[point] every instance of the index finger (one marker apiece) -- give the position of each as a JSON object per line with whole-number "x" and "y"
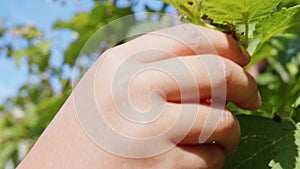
{"x": 184, "y": 40}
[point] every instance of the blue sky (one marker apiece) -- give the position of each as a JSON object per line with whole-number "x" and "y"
{"x": 42, "y": 13}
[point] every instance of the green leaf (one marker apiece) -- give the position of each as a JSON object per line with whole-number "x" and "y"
{"x": 86, "y": 24}
{"x": 282, "y": 46}
{"x": 265, "y": 51}
{"x": 43, "y": 113}
{"x": 239, "y": 11}
{"x": 18, "y": 55}
{"x": 77, "y": 22}
{"x": 191, "y": 9}
{"x": 38, "y": 54}
{"x": 243, "y": 12}
{"x": 263, "y": 141}
{"x": 266, "y": 78}
{"x": 288, "y": 3}
{"x": 285, "y": 20}
{"x": 297, "y": 137}
{"x": 6, "y": 150}
{"x": 275, "y": 165}
{"x": 296, "y": 103}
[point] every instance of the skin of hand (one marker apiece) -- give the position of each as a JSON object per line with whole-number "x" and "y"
{"x": 65, "y": 144}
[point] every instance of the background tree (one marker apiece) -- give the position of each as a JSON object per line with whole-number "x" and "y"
{"x": 25, "y": 116}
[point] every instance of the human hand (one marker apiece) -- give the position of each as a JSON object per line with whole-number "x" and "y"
{"x": 151, "y": 91}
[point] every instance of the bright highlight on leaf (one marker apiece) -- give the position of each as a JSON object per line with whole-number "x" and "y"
{"x": 297, "y": 102}
{"x": 240, "y": 11}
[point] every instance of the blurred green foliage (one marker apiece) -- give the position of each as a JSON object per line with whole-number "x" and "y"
{"x": 24, "y": 117}
{"x": 86, "y": 24}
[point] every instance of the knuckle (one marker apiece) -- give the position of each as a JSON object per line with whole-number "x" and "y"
{"x": 228, "y": 73}
{"x": 139, "y": 82}
{"x": 228, "y": 123}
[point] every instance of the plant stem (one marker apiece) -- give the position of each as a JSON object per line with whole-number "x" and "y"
{"x": 246, "y": 33}
{"x": 245, "y": 17}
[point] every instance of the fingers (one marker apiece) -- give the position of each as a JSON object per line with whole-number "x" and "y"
{"x": 206, "y": 156}
{"x": 185, "y": 124}
{"x": 153, "y": 89}
{"x": 196, "y": 78}
{"x": 212, "y": 124}
{"x": 242, "y": 88}
{"x": 184, "y": 40}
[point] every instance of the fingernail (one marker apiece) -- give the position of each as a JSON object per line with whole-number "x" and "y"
{"x": 245, "y": 52}
{"x": 258, "y": 103}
